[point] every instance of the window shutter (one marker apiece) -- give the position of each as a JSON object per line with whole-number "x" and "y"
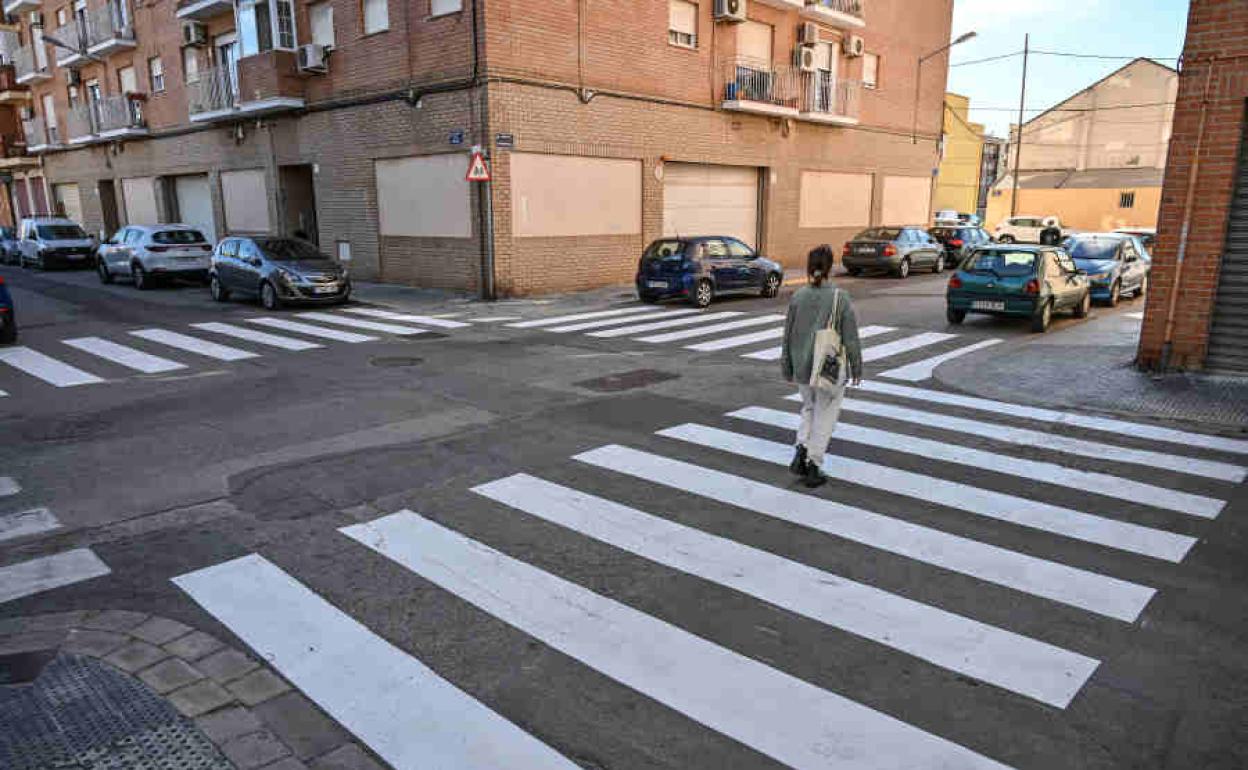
{"x": 682, "y": 17}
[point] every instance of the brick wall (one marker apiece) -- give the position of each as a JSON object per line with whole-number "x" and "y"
{"x": 1215, "y": 58}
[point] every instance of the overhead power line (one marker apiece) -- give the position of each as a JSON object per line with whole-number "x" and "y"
{"x": 1075, "y": 109}
{"x": 1104, "y": 56}
{"x": 985, "y": 61}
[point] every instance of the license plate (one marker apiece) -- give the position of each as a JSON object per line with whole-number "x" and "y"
{"x": 865, "y": 250}
{"x": 75, "y": 256}
{"x": 324, "y": 289}
{"x": 656, "y": 284}
{"x": 987, "y": 304}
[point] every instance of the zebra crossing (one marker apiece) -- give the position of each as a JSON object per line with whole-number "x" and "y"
{"x": 1127, "y": 515}
{"x": 156, "y": 351}
{"x": 742, "y": 333}
{"x": 45, "y": 573}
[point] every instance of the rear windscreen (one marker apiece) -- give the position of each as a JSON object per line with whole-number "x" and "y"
{"x": 177, "y": 237}
{"x": 1003, "y": 262}
{"x": 662, "y": 249}
{"x": 879, "y": 234}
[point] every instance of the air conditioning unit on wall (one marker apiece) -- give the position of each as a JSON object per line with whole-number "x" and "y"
{"x": 313, "y": 58}
{"x": 855, "y": 46}
{"x": 730, "y": 10}
{"x": 808, "y": 33}
{"x": 804, "y": 58}
{"x": 194, "y": 33}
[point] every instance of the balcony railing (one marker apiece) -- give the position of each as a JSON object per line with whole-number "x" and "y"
{"x": 72, "y": 34}
{"x": 14, "y": 7}
{"x": 754, "y": 86}
{"x": 847, "y": 14}
{"x": 112, "y": 117}
{"x": 82, "y": 123}
{"x": 39, "y": 137}
{"x": 214, "y": 95}
{"x": 28, "y": 68}
{"x": 109, "y": 29}
{"x": 826, "y": 99}
{"x": 11, "y": 92}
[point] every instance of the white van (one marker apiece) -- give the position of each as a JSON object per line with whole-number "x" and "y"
{"x": 45, "y": 242}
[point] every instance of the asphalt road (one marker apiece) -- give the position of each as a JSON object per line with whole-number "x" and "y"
{"x": 972, "y": 588}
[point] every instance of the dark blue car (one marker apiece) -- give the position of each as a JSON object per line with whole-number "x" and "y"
{"x": 1113, "y": 263}
{"x": 700, "y": 269}
{"x": 8, "y": 321}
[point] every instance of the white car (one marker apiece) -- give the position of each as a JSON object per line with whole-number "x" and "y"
{"x": 148, "y": 253}
{"x": 1026, "y": 229}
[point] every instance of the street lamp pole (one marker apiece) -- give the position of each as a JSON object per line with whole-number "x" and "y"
{"x": 918, "y": 79}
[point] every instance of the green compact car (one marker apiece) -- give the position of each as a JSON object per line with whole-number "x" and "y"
{"x": 1018, "y": 281}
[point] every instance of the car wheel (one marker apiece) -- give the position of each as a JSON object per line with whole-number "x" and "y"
{"x": 939, "y": 265}
{"x": 955, "y": 316}
{"x": 703, "y": 293}
{"x": 772, "y": 286}
{"x": 1005, "y": 239}
{"x": 101, "y": 268}
{"x": 1143, "y": 289}
{"x": 142, "y": 281}
{"x": 219, "y": 293}
{"x": 1040, "y": 321}
{"x": 1084, "y": 306}
{"x": 268, "y": 297}
{"x": 903, "y": 269}
{"x": 9, "y": 333}
{"x": 1115, "y": 294}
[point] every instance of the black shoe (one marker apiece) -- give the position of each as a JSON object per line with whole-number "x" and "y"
{"x": 814, "y": 476}
{"x": 798, "y": 466}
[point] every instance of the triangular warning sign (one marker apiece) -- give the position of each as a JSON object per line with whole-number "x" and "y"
{"x": 477, "y": 170}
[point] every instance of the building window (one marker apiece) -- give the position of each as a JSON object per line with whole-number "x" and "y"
{"x": 285, "y": 24}
{"x": 376, "y": 16}
{"x": 1126, "y": 200}
{"x": 190, "y": 64}
{"x": 127, "y": 81}
{"x": 255, "y": 27}
{"x": 871, "y": 70}
{"x": 682, "y": 24}
{"x": 62, "y": 16}
{"x": 443, "y": 7}
{"x": 321, "y": 18}
{"x": 156, "y": 69}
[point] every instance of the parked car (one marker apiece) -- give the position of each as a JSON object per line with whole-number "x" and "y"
{"x": 1113, "y": 263}
{"x": 702, "y": 268}
{"x": 278, "y": 270}
{"x": 959, "y": 240}
{"x": 46, "y": 242}
{"x": 148, "y": 253}
{"x": 8, "y": 317}
{"x": 1017, "y": 281}
{"x": 950, "y": 217}
{"x": 895, "y": 250}
{"x": 10, "y": 254}
{"x": 1026, "y": 229}
{"x": 1147, "y": 235}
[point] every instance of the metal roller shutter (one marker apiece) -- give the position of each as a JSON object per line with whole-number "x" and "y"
{"x": 1228, "y": 336}
{"x": 195, "y": 203}
{"x": 703, "y": 199}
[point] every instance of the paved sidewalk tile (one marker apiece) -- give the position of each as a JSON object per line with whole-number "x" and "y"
{"x": 227, "y": 724}
{"x": 350, "y": 757}
{"x": 50, "y": 622}
{"x": 257, "y": 687}
{"x": 97, "y": 644}
{"x": 226, "y": 665}
{"x": 200, "y": 698}
{"x": 114, "y": 620}
{"x": 159, "y": 630}
{"x": 254, "y": 750}
{"x": 193, "y": 646}
{"x": 169, "y": 675}
{"x": 289, "y": 763}
{"x": 301, "y": 725}
{"x": 136, "y": 656}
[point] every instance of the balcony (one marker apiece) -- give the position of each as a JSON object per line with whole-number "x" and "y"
{"x": 11, "y": 93}
{"x": 72, "y": 34}
{"x": 761, "y": 88}
{"x": 783, "y": 5}
{"x": 21, "y": 6}
{"x": 263, "y": 84}
{"x": 28, "y": 68}
{"x": 110, "y": 118}
{"x": 203, "y": 9}
{"x": 214, "y": 96}
{"x": 13, "y": 153}
{"x": 40, "y": 138}
{"x": 828, "y": 100}
{"x": 109, "y": 29}
{"x": 845, "y": 14}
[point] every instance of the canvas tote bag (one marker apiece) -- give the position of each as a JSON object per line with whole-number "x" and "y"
{"x": 827, "y": 370}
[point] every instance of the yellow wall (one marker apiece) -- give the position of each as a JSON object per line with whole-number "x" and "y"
{"x": 957, "y": 186}
{"x": 1082, "y": 209}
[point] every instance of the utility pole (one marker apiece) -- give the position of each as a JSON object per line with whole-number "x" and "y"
{"x": 1018, "y": 142}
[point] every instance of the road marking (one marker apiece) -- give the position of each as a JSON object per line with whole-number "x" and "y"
{"x": 1011, "y": 661}
{"x": 372, "y": 326}
{"x": 1042, "y": 440}
{"x": 47, "y": 572}
{"x": 126, "y": 356}
{"x": 46, "y": 368}
{"x": 1025, "y": 512}
{"x": 390, "y": 315}
{"x": 586, "y": 325}
{"x": 495, "y": 319}
{"x": 1109, "y": 425}
{"x": 1137, "y": 316}
{"x": 554, "y": 320}
{"x": 703, "y": 317}
{"x": 9, "y": 486}
{"x": 702, "y": 331}
{"x": 1068, "y": 585}
{"x": 903, "y": 345}
{"x": 411, "y": 717}
{"x": 251, "y": 335}
{"x": 773, "y": 354}
{"x": 33, "y": 522}
{"x": 310, "y": 330}
{"x": 781, "y": 716}
{"x": 194, "y": 345}
{"x": 723, "y": 343}
{"x": 1051, "y": 473}
{"x": 922, "y": 370}
{"x": 3, "y": 394}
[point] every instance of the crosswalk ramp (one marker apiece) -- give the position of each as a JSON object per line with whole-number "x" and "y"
{"x": 1122, "y": 519}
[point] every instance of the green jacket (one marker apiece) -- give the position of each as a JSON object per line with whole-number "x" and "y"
{"x": 809, "y": 311}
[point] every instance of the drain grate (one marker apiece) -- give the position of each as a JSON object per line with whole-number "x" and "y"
{"x": 81, "y": 714}
{"x": 637, "y": 378}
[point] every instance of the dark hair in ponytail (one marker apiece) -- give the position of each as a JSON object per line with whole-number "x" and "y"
{"x": 819, "y": 264}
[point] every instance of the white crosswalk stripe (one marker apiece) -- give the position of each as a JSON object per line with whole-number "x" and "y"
{"x": 1008, "y": 660}
{"x": 560, "y": 319}
{"x": 922, "y": 370}
{"x": 356, "y": 323}
{"x": 740, "y": 340}
{"x": 703, "y": 331}
{"x": 310, "y": 330}
{"x": 194, "y": 345}
{"x": 390, "y": 315}
{"x": 25, "y": 523}
{"x": 628, "y": 331}
{"x": 903, "y": 345}
{"x": 46, "y": 368}
{"x": 45, "y": 573}
{"x": 601, "y": 324}
{"x": 772, "y": 712}
{"x": 773, "y": 354}
{"x": 125, "y": 356}
{"x": 251, "y": 335}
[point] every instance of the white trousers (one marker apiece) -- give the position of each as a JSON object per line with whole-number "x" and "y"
{"x": 821, "y": 408}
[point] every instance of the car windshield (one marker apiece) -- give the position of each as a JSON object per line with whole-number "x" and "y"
{"x": 288, "y": 249}
{"x": 665, "y": 249}
{"x": 1003, "y": 262}
{"x": 178, "y": 237}
{"x": 60, "y": 233}
{"x": 944, "y": 233}
{"x": 1093, "y": 248}
{"x": 879, "y": 234}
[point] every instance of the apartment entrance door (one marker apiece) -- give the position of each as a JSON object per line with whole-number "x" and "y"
{"x": 108, "y": 205}
{"x": 299, "y": 201}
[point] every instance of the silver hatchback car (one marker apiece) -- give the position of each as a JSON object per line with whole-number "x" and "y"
{"x": 148, "y": 253}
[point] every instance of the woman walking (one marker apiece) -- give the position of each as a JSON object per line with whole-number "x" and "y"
{"x": 820, "y": 316}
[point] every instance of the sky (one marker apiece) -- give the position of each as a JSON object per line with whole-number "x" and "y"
{"x": 1128, "y": 28}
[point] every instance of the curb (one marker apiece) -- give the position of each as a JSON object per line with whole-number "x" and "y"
{"x": 249, "y": 713}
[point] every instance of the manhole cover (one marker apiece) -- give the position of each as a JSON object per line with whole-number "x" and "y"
{"x": 395, "y": 362}
{"x": 637, "y": 378}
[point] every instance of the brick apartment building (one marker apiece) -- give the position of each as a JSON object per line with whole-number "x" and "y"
{"x": 784, "y": 122}
{"x": 1197, "y": 313}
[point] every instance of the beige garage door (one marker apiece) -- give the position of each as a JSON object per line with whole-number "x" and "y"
{"x": 702, "y": 199}
{"x": 69, "y": 201}
{"x": 140, "y": 195}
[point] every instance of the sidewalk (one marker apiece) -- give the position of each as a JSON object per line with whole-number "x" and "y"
{"x": 1090, "y": 367}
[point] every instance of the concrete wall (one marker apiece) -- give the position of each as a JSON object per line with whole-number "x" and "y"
{"x": 957, "y": 186}
{"x": 1083, "y": 209}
